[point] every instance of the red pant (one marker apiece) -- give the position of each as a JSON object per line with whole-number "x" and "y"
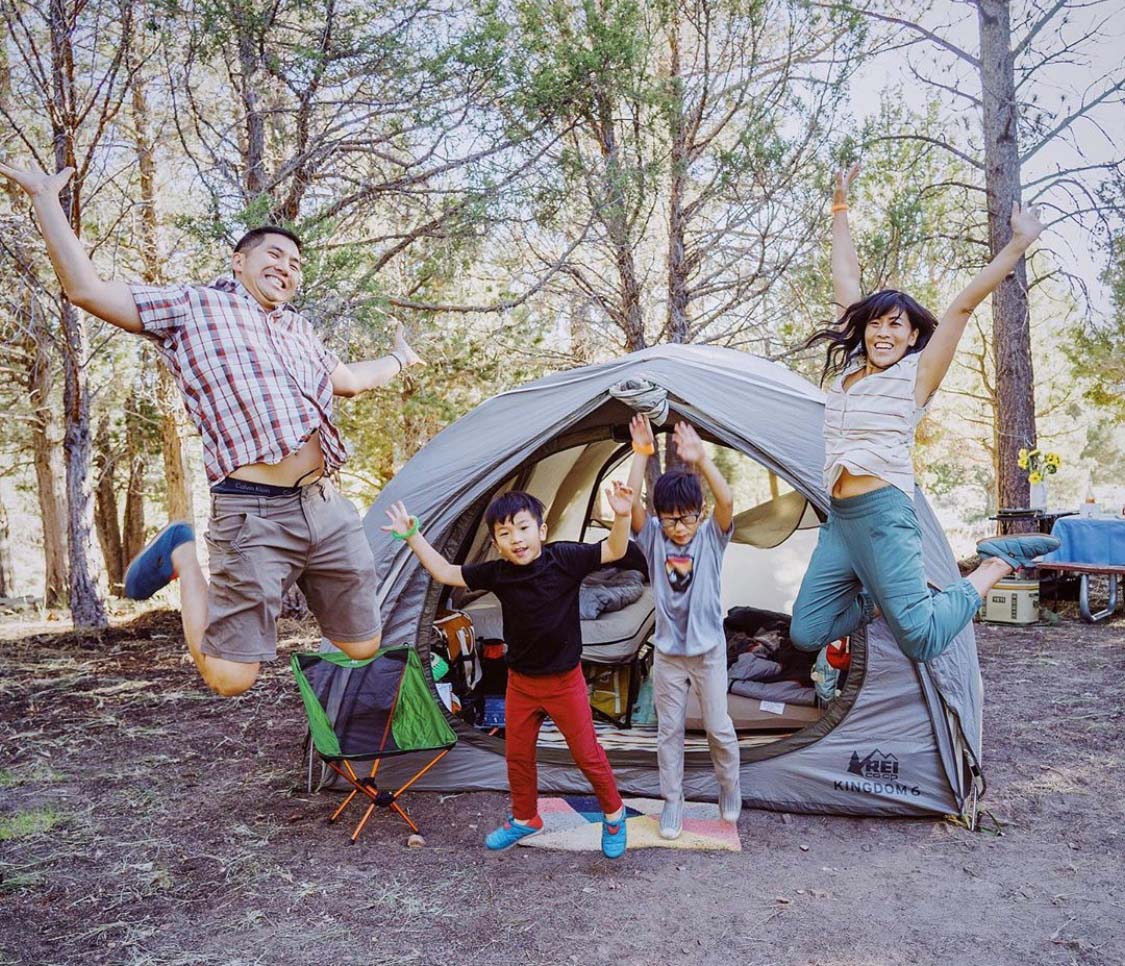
{"x": 529, "y": 699}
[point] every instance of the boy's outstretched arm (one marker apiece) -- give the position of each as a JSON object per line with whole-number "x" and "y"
{"x": 690, "y": 448}
{"x": 111, "y": 301}
{"x": 939, "y": 351}
{"x": 438, "y": 567}
{"x": 643, "y": 447}
{"x": 620, "y": 499}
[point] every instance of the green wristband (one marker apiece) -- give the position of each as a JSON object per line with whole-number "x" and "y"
{"x": 395, "y": 535}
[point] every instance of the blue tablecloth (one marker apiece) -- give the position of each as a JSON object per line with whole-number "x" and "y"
{"x": 1089, "y": 541}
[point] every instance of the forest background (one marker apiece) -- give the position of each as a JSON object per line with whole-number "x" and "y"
{"x": 530, "y": 186}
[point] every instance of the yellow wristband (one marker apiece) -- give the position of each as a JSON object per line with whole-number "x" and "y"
{"x": 836, "y": 208}
{"x": 644, "y": 449}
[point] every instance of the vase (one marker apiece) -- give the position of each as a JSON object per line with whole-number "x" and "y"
{"x": 1038, "y": 499}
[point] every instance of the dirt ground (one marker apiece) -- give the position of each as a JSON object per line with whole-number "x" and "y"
{"x": 143, "y": 820}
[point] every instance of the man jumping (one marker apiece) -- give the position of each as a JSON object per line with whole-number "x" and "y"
{"x": 258, "y": 384}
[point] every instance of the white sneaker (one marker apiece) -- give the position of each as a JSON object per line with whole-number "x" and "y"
{"x": 672, "y": 819}
{"x": 730, "y": 803}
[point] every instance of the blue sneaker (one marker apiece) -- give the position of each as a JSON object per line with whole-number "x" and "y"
{"x": 508, "y": 834}
{"x": 614, "y": 837}
{"x": 152, "y": 568}
{"x": 1018, "y": 551}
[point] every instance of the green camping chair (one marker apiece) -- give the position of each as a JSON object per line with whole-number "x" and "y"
{"x": 383, "y": 706}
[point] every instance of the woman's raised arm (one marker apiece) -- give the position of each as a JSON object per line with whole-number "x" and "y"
{"x": 939, "y": 351}
{"x": 845, "y": 261}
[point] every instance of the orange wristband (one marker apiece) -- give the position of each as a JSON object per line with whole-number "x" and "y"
{"x": 836, "y": 208}
{"x": 644, "y": 449}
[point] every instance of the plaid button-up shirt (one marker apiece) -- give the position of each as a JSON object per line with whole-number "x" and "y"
{"x": 255, "y": 383}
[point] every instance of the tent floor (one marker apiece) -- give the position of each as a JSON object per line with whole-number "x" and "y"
{"x": 613, "y": 738}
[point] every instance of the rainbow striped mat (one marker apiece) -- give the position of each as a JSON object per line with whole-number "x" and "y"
{"x": 574, "y": 824}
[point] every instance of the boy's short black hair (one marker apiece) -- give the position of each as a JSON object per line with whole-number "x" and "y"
{"x": 505, "y": 507}
{"x": 677, "y": 490}
{"x": 254, "y": 237}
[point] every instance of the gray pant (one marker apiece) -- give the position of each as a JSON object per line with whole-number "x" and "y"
{"x": 672, "y": 676}
{"x": 259, "y": 546}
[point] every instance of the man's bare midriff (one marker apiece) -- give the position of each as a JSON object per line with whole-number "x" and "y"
{"x": 304, "y": 466}
{"x": 848, "y": 484}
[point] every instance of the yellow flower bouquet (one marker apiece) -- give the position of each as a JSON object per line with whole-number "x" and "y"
{"x": 1039, "y": 465}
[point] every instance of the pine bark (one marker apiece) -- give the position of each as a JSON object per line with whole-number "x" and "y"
{"x": 178, "y": 495}
{"x": 628, "y": 313}
{"x": 133, "y": 530}
{"x": 46, "y": 459}
{"x": 105, "y": 509}
{"x": 177, "y": 483}
{"x": 1011, "y": 333}
{"x": 7, "y": 577}
{"x": 87, "y": 608}
{"x": 677, "y": 322}
{"x": 254, "y": 121}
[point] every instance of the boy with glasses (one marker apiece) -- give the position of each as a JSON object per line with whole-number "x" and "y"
{"x": 684, "y": 551}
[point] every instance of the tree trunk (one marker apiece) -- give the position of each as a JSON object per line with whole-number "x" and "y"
{"x": 105, "y": 509}
{"x": 44, "y": 448}
{"x": 254, "y": 122}
{"x": 294, "y": 605}
{"x": 615, "y": 216}
{"x": 676, "y": 324}
{"x": 579, "y": 331}
{"x": 177, "y": 484}
{"x": 177, "y": 490}
{"x": 87, "y": 608}
{"x": 46, "y": 460}
{"x": 1011, "y": 334}
{"x": 7, "y": 577}
{"x": 133, "y": 532}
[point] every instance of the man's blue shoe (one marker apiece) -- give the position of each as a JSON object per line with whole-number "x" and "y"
{"x": 1018, "y": 551}
{"x": 510, "y": 833}
{"x": 613, "y": 837}
{"x": 152, "y": 568}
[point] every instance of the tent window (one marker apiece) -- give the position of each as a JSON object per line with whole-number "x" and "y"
{"x": 767, "y": 509}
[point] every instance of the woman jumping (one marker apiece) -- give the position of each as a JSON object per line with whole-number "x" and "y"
{"x": 887, "y": 356}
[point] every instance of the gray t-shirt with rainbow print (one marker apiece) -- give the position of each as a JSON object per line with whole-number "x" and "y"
{"x": 686, "y": 586}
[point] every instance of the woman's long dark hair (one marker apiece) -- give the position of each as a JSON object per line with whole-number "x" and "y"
{"x": 845, "y": 337}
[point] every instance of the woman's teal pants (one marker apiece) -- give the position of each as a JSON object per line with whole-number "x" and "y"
{"x": 870, "y": 552}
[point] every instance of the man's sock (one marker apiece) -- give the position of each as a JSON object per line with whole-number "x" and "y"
{"x": 616, "y": 816}
{"x": 528, "y": 822}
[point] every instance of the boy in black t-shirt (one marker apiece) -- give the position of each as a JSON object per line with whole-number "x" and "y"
{"x": 537, "y": 586}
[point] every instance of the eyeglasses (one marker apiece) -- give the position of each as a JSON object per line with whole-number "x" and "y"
{"x": 687, "y": 519}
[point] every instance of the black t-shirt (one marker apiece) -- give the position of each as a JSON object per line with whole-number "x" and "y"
{"x": 539, "y": 602}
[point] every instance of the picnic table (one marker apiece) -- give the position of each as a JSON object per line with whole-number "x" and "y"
{"x": 1089, "y": 546}
{"x": 1044, "y": 520}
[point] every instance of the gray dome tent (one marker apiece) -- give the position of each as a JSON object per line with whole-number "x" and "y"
{"x": 902, "y": 738}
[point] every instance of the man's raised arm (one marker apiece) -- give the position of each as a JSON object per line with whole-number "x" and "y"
{"x": 352, "y": 378}
{"x": 111, "y": 301}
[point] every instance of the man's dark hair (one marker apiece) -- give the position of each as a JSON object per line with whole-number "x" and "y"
{"x": 253, "y": 238}
{"x": 677, "y": 490}
{"x": 504, "y": 508}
